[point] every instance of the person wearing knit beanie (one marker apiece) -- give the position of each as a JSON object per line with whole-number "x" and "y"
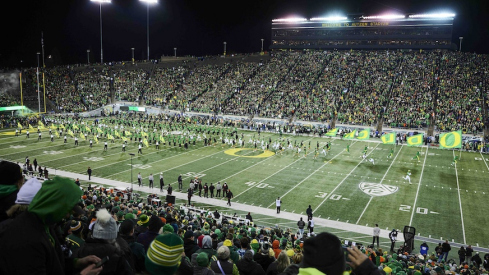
{"x": 147, "y": 237}
{"x": 167, "y": 229}
{"x": 324, "y": 253}
{"x": 105, "y": 228}
{"x": 76, "y": 238}
{"x": 28, "y": 191}
{"x": 164, "y": 254}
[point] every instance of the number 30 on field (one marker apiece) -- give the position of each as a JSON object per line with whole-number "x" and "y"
{"x": 419, "y": 210}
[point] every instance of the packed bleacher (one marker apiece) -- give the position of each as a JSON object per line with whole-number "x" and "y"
{"x": 400, "y": 89}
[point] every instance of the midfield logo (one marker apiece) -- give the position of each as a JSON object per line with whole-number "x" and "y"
{"x": 377, "y": 189}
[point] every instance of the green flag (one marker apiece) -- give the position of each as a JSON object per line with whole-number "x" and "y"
{"x": 416, "y": 140}
{"x": 332, "y": 132}
{"x": 451, "y": 140}
{"x": 364, "y": 134}
{"x": 350, "y": 135}
{"x": 389, "y": 138}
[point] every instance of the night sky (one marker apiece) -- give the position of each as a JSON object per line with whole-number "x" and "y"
{"x": 70, "y": 27}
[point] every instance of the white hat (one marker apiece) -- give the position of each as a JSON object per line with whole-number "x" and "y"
{"x": 28, "y": 191}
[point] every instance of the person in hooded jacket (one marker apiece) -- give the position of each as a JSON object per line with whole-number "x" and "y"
{"x": 276, "y": 248}
{"x": 189, "y": 245}
{"x": 32, "y": 234}
{"x": 207, "y": 248}
{"x": 247, "y": 266}
{"x": 263, "y": 258}
{"x": 126, "y": 232}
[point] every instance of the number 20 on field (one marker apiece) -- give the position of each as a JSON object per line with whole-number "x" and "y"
{"x": 419, "y": 210}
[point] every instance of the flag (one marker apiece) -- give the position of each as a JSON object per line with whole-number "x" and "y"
{"x": 82, "y": 137}
{"x": 350, "y": 135}
{"x": 56, "y": 133}
{"x": 96, "y": 139}
{"x": 451, "y": 140}
{"x": 364, "y": 134}
{"x": 19, "y": 125}
{"x": 61, "y": 126}
{"x": 116, "y": 133}
{"x": 332, "y": 132}
{"x": 40, "y": 123}
{"x": 389, "y": 138}
{"x": 162, "y": 139}
{"x": 416, "y": 140}
{"x": 145, "y": 142}
{"x": 109, "y": 136}
{"x": 88, "y": 129}
{"x": 70, "y": 133}
{"x": 127, "y": 133}
{"x": 144, "y": 134}
{"x": 75, "y": 127}
{"x": 100, "y": 131}
{"x": 31, "y": 128}
{"x": 53, "y": 126}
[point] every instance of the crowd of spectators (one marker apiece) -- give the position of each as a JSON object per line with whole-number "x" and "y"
{"x": 411, "y": 101}
{"x": 459, "y": 101}
{"x": 62, "y": 228}
{"x": 407, "y": 89}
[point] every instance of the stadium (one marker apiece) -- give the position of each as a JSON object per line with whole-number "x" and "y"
{"x": 376, "y": 124}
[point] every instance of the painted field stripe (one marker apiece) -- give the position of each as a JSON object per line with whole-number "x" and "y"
{"x": 419, "y": 187}
{"x": 371, "y": 197}
{"x": 460, "y": 201}
{"x": 339, "y": 184}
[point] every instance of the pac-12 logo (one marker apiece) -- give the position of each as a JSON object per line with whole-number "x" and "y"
{"x": 377, "y": 189}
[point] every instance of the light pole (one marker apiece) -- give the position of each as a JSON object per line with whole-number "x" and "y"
{"x": 38, "y": 91}
{"x": 148, "y": 2}
{"x": 224, "y": 48}
{"x": 132, "y": 155}
{"x": 132, "y": 49}
{"x": 460, "y": 47}
{"x": 88, "y": 57}
{"x": 101, "y": 43}
{"x": 262, "y": 44}
{"x": 175, "y": 50}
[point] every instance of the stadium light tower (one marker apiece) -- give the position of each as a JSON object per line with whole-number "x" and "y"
{"x": 132, "y": 50}
{"x": 101, "y": 43}
{"x": 175, "y": 50}
{"x": 225, "y": 48}
{"x": 262, "y": 44}
{"x": 148, "y": 2}
{"x": 460, "y": 47}
{"x": 88, "y": 56}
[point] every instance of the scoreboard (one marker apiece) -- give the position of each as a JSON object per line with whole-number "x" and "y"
{"x": 362, "y": 32}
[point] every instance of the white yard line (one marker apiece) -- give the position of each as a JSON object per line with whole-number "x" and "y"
{"x": 484, "y": 159}
{"x": 300, "y": 158}
{"x": 307, "y": 177}
{"x": 118, "y": 153}
{"x": 419, "y": 186}
{"x": 339, "y": 184}
{"x": 371, "y": 197}
{"x": 459, "y": 200}
{"x": 109, "y": 176}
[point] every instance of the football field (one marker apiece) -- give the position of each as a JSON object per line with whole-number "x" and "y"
{"x": 443, "y": 201}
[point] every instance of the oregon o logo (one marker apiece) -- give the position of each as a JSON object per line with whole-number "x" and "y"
{"x": 236, "y": 152}
{"x": 450, "y": 140}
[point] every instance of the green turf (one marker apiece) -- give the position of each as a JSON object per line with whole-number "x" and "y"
{"x": 433, "y": 204}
